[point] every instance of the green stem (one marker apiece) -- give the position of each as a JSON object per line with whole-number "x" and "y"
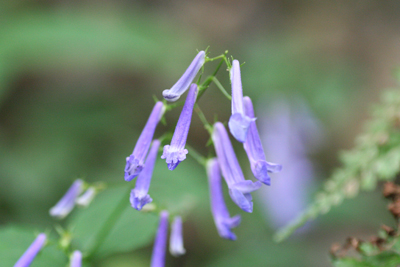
{"x": 207, "y": 82}
{"x": 221, "y": 88}
{"x": 196, "y": 155}
{"x": 110, "y": 223}
{"x": 203, "y": 119}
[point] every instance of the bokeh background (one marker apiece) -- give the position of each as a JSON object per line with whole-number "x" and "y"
{"x": 76, "y": 86}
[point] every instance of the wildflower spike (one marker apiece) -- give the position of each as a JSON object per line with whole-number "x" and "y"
{"x": 160, "y": 243}
{"x": 135, "y": 162}
{"x": 223, "y": 221}
{"x": 67, "y": 202}
{"x": 176, "y": 152}
{"x": 183, "y": 83}
{"x": 139, "y": 195}
{"x": 238, "y": 122}
{"x": 30, "y": 254}
{"x": 76, "y": 259}
{"x": 239, "y": 188}
{"x": 255, "y": 152}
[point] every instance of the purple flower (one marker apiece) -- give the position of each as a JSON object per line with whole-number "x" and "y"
{"x": 139, "y": 196}
{"x": 223, "y": 221}
{"x": 255, "y": 152}
{"x": 135, "y": 162}
{"x": 183, "y": 83}
{"x": 160, "y": 243}
{"x": 239, "y": 188}
{"x": 27, "y": 258}
{"x": 87, "y": 197}
{"x": 176, "y": 152}
{"x": 238, "y": 123}
{"x": 67, "y": 202}
{"x": 176, "y": 239}
{"x": 76, "y": 259}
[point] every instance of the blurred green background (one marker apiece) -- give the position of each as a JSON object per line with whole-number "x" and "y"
{"x": 76, "y": 86}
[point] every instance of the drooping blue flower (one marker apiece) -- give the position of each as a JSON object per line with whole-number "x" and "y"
{"x": 160, "y": 243}
{"x": 176, "y": 239}
{"x": 139, "y": 195}
{"x": 86, "y": 198}
{"x": 30, "y": 254}
{"x": 222, "y": 219}
{"x": 238, "y": 122}
{"x": 76, "y": 259}
{"x": 239, "y": 188}
{"x": 183, "y": 83}
{"x": 176, "y": 152}
{"x": 67, "y": 202}
{"x": 255, "y": 152}
{"x": 135, "y": 162}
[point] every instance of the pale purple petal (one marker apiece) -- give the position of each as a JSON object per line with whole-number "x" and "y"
{"x": 86, "y": 198}
{"x": 239, "y": 123}
{"x": 30, "y": 254}
{"x": 222, "y": 219}
{"x": 176, "y": 239}
{"x": 176, "y": 152}
{"x": 183, "y": 83}
{"x": 160, "y": 243}
{"x": 139, "y": 195}
{"x": 76, "y": 259}
{"x": 231, "y": 169}
{"x": 67, "y": 202}
{"x": 135, "y": 162}
{"x": 255, "y": 152}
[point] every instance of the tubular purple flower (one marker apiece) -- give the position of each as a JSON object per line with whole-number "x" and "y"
{"x": 239, "y": 188}
{"x": 176, "y": 239}
{"x": 183, "y": 83}
{"x": 87, "y": 197}
{"x": 67, "y": 202}
{"x": 238, "y": 122}
{"x": 76, "y": 259}
{"x": 222, "y": 219}
{"x": 176, "y": 152}
{"x": 30, "y": 254}
{"x": 139, "y": 196}
{"x": 255, "y": 152}
{"x": 135, "y": 162}
{"x": 160, "y": 243}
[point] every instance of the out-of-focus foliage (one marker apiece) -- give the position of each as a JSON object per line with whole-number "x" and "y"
{"x": 376, "y": 157}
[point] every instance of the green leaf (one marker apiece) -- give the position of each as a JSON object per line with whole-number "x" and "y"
{"x": 349, "y": 262}
{"x": 15, "y": 240}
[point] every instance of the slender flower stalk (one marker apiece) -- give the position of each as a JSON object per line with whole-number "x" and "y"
{"x": 86, "y": 198}
{"x": 176, "y": 239}
{"x": 239, "y": 188}
{"x": 76, "y": 259}
{"x": 238, "y": 123}
{"x": 176, "y": 152}
{"x": 255, "y": 152}
{"x": 139, "y": 195}
{"x": 135, "y": 162}
{"x": 183, "y": 83}
{"x": 67, "y": 202}
{"x": 30, "y": 254}
{"x": 222, "y": 219}
{"x": 160, "y": 243}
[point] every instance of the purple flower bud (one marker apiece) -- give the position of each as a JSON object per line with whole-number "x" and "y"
{"x": 76, "y": 259}
{"x": 176, "y": 239}
{"x": 223, "y": 221}
{"x": 27, "y": 258}
{"x": 238, "y": 123}
{"x": 255, "y": 152}
{"x": 139, "y": 196}
{"x": 87, "y": 197}
{"x": 67, "y": 202}
{"x": 176, "y": 152}
{"x": 135, "y": 162}
{"x": 239, "y": 188}
{"x": 183, "y": 83}
{"x": 160, "y": 243}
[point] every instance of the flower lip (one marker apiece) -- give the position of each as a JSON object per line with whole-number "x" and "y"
{"x": 184, "y": 82}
